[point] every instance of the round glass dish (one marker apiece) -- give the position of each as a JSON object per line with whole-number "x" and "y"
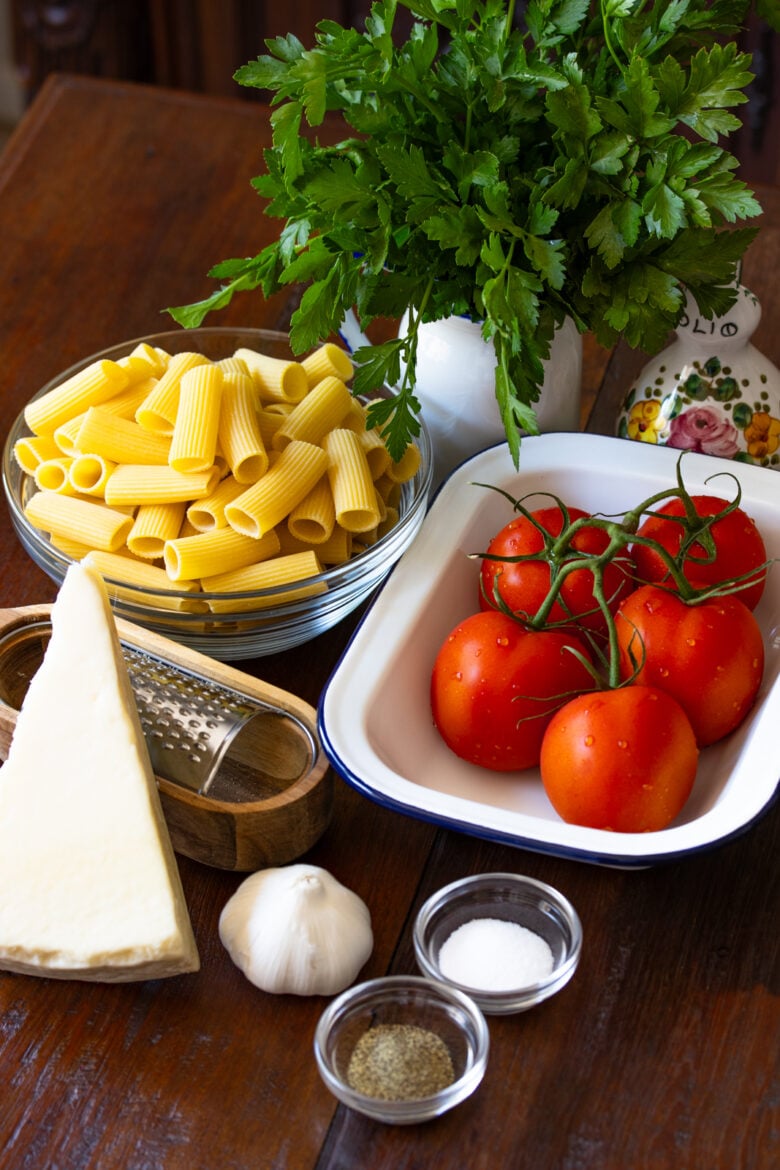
{"x": 433, "y": 1019}
{"x": 507, "y": 897}
{"x": 230, "y": 625}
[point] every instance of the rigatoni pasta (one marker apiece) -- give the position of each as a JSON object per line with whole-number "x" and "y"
{"x": 194, "y": 439}
{"x": 137, "y": 483}
{"x": 89, "y": 474}
{"x": 319, "y": 412}
{"x": 209, "y": 553}
{"x": 240, "y": 437}
{"x": 336, "y": 550}
{"x": 126, "y": 574}
{"x": 276, "y": 379}
{"x": 354, "y": 494}
{"x": 85, "y": 521}
{"x": 314, "y": 518}
{"x": 328, "y": 360}
{"x": 289, "y": 479}
{"x": 153, "y": 527}
{"x": 52, "y": 476}
{"x": 119, "y": 439}
{"x": 157, "y": 413}
{"x": 66, "y": 433}
{"x": 287, "y": 570}
{"x": 209, "y": 511}
{"x": 31, "y": 450}
{"x": 89, "y": 387}
{"x": 284, "y": 485}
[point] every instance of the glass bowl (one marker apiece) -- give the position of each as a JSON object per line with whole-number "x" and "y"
{"x": 484, "y": 905}
{"x": 402, "y": 1036}
{"x": 261, "y": 622}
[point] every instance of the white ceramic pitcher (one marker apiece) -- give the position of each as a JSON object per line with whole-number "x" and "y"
{"x": 455, "y": 385}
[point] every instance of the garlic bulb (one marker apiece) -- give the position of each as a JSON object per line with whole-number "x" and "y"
{"x": 296, "y": 930}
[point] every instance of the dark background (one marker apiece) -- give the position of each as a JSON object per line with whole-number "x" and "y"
{"x": 198, "y": 44}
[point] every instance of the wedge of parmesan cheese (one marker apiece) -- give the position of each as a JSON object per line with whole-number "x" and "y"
{"x": 89, "y": 886}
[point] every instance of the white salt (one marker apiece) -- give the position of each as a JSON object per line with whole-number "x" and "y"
{"x": 489, "y": 954}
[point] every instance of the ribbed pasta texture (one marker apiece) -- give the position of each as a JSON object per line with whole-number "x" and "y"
{"x": 185, "y": 476}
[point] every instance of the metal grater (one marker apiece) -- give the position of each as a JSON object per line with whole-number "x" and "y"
{"x": 201, "y": 735}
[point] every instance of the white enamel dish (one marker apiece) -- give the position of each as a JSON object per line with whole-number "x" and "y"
{"x": 374, "y": 714}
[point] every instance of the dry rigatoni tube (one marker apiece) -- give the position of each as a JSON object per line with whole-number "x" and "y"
{"x": 89, "y": 387}
{"x": 154, "y": 525}
{"x": 284, "y": 485}
{"x": 208, "y": 553}
{"x": 157, "y": 413}
{"x": 356, "y": 419}
{"x": 406, "y": 467}
{"x": 71, "y": 548}
{"x": 377, "y": 453}
{"x": 232, "y": 365}
{"x": 268, "y": 422}
{"x": 124, "y": 576}
{"x": 133, "y": 483}
{"x": 84, "y": 521}
{"x": 66, "y": 434}
{"x": 240, "y": 438}
{"x": 279, "y": 571}
{"x": 52, "y": 476}
{"x": 336, "y": 550}
{"x": 321, "y": 411}
{"x": 31, "y": 450}
{"x": 354, "y": 494}
{"x": 89, "y": 474}
{"x": 120, "y": 439}
{"x": 126, "y": 402}
{"x": 144, "y": 362}
{"x": 209, "y": 512}
{"x": 328, "y": 361}
{"x": 276, "y": 379}
{"x": 313, "y": 519}
{"x": 194, "y": 440}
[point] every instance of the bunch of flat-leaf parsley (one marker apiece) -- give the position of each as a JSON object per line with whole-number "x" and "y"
{"x": 518, "y": 169}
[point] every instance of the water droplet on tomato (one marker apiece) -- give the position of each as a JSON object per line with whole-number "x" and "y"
{"x": 590, "y": 740}
{"x": 663, "y": 672}
{"x": 458, "y": 675}
{"x": 622, "y": 743}
{"x": 503, "y": 641}
{"x": 690, "y": 641}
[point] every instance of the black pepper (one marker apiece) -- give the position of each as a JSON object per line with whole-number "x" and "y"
{"x": 400, "y": 1062}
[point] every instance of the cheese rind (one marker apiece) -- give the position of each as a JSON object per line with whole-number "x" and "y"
{"x": 89, "y": 886}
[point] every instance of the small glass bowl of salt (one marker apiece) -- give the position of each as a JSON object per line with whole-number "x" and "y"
{"x": 506, "y": 940}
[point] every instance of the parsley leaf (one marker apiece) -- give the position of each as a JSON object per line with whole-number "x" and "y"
{"x": 515, "y": 167}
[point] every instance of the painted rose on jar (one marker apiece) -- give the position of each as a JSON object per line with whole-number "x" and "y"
{"x": 704, "y": 429}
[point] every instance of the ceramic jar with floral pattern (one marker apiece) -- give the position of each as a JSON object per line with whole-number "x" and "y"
{"x": 710, "y": 390}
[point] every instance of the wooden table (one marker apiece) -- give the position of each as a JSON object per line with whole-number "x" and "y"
{"x": 662, "y": 1052}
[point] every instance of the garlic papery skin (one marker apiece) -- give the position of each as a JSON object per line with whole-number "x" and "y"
{"x": 296, "y": 930}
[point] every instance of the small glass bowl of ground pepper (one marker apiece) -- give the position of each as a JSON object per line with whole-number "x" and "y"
{"x": 507, "y": 941}
{"x": 402, "y": 1049}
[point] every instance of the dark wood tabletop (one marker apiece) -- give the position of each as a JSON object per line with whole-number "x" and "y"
{"x": 661, "y": 1054}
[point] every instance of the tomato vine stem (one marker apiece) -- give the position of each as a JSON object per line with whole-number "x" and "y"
{"x": 563, "y": 559}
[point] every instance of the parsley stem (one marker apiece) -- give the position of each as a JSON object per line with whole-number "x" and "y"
{"x": 510, "y": 16}
{"x": 608, "y": 39}
{"x": 415, "y": 319}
